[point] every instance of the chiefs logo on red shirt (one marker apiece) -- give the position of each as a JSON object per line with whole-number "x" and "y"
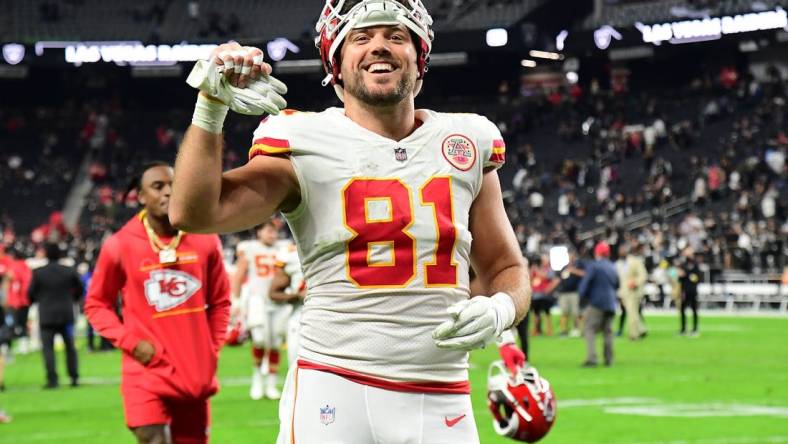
{"x": 166, "y": 289}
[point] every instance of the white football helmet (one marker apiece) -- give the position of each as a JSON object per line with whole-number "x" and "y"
{"x": 333, "y": 26}
{"x": 523, "y": 406}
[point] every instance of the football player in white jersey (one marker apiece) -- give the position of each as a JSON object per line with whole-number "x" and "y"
{"x": 390, "y": 207}
{"x": 265, "y": 319}
{"x": 290, "y": 287}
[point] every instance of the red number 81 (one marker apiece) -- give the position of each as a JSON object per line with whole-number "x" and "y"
{"x": 392, "y": 232}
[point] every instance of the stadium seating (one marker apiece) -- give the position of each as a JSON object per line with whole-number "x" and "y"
{"x": 152, "y": 21}
{"x": 731, "y": 296}
{"x": 671, "y": 10}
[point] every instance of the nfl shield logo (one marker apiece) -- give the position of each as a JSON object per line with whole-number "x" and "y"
{"x": 400, "y": 154}
{"x": 327, "y": 414}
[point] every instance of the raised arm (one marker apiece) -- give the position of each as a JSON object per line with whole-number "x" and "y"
{"x": 206, "y": 200}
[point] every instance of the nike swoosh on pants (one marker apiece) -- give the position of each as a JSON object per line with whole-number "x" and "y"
{"x": 452, "y": 422}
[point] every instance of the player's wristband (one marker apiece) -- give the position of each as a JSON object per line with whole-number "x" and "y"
{"x": 209, "y": 114}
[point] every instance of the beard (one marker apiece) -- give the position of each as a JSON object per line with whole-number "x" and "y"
{"x": 358, "y": 89}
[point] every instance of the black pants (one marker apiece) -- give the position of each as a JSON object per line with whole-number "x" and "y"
{"x": 104, "y": 344}
{"x": 690, "y": 300}
{"x": 522, "y": 331}
{"x": 20, "y": 321}
{"x": 48, "y": 348}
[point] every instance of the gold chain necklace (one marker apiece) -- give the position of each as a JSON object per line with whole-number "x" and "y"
{"x": 167, "y": 254}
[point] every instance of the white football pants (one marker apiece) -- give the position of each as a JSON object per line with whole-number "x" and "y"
{"x": 323, "y": 408}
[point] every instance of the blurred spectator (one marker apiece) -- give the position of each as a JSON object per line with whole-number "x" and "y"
{"x": 632, "y": 278}
{"x": 17, "y": 299}
{"x": 568, "y": 298}
{"x": 56, "y": 288}
{"x": 598, "y": 294}
{"x": 542, "y": 284}
{"x": 689, "y": 277}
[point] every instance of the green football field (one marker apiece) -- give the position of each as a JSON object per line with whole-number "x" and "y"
{"x": 729, "y": 386}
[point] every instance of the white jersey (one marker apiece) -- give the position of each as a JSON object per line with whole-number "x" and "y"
{"x": 262, "y": 260}
{"x": 382, "y": 233}
{"x": 292, "y": 267}
{"x": 262, "y": 263}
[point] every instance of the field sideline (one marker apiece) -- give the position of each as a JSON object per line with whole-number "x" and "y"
{"x": 730, "y": 386}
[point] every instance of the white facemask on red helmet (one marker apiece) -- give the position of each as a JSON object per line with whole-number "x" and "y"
{"x": 333, "y": 26}
{"x": 236, "y": 334}
{"x": 523, "y": 406}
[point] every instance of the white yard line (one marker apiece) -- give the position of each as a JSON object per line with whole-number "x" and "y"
{"x": 775, "y": 439}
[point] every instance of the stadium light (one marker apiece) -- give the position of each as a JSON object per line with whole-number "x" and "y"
{"x": 497, "y": 37}
{"x": 560, "y": 39}
{"x": 525, "y": 63}
{"x": 604, "y": 35}
{"x": 559, "y": 257}
{"x": 545, "y": 55}
{"x": 277, "y": 48}
{"x": 298, "y": 66}
{"x": 13, "y": 53}
{"x": 748, "y": 46}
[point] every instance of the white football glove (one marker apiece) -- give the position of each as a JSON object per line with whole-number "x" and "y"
{"x": 475, "y": 322}
{"x": 261, "y": 96}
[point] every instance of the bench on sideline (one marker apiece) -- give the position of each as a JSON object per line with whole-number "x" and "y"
{"x": 731, "y": 295}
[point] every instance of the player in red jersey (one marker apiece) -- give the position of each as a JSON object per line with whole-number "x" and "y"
{"x": 17, "y": 299}
{"x": 176, "y": 305}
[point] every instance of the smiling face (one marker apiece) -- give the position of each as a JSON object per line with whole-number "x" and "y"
{"x": 378, "y": 65}
{"x": 155, "y": 190}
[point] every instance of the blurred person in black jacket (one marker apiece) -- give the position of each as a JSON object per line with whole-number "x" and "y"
{"x": 689, "y": 277}
{"x": 56, "y": 288}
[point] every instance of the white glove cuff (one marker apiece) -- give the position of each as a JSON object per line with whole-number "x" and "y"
{"x": 507, "y": 337}
{"x": 504, "y": 308}
{"x": 209, "y": 115}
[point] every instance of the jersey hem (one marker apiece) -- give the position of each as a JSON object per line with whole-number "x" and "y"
{"x": 456, "y": 388}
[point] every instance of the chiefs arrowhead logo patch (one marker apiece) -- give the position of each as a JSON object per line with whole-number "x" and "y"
{"x": 166, "y": 289}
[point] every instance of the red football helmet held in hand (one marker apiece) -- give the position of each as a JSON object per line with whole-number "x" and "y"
{"x": 513, "y": 357}
{"x": 236, "y": 334}
{"x": 523, "y": 405}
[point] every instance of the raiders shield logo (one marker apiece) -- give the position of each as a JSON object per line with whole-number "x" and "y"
{"x": 166, "y": 289}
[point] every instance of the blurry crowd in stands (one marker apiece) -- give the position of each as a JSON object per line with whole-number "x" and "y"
{"x": 704, "y": 168}
{"x": 582, "y": 165}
